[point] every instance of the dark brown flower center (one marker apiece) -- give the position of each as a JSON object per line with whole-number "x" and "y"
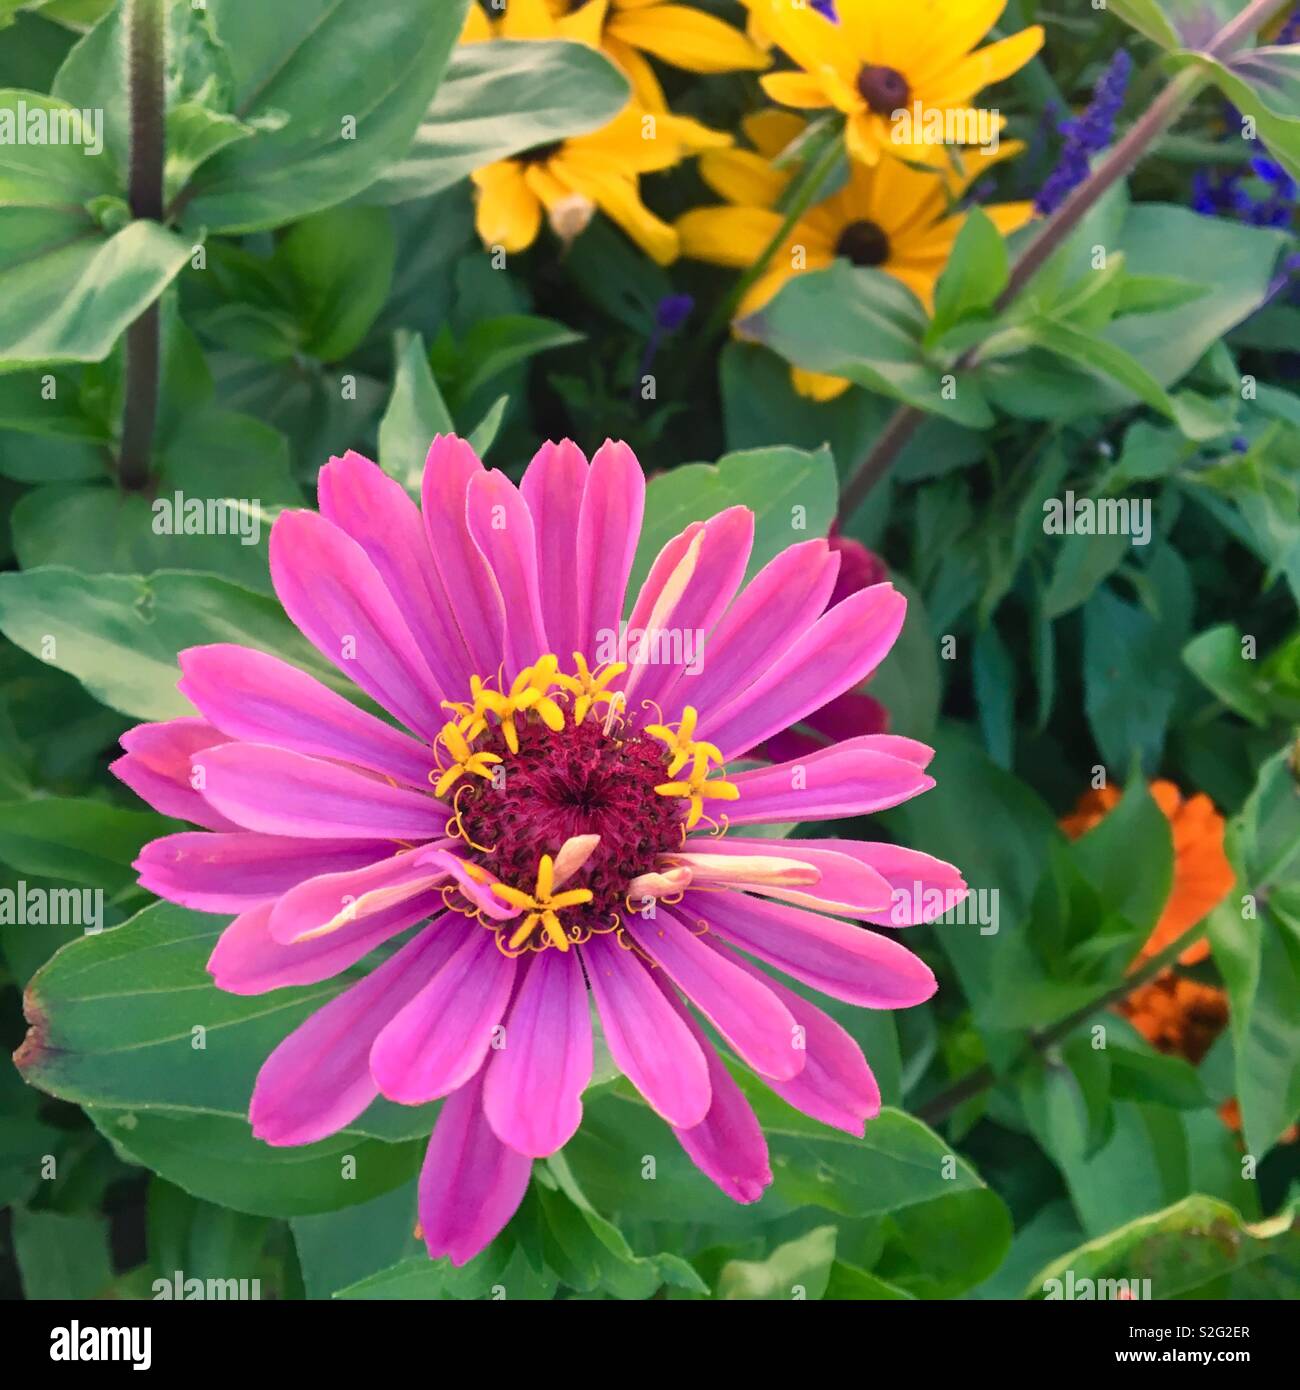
{"x": 863, "y": 243}
{"x": 539, "y": 154}
{"x": 885, "y": 90}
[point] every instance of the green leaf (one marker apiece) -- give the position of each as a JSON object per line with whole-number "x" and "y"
{"x": 855, "y": 322}
{"x": 799, "y": 1269}
{"x": 340, "y": 263}
{"x": 1129, "y": 858}
{"x": 129, "y": 1020}
{"x": 1256, "y": 945}
{"x": 1147, "y": 17}
{"x": 62, "y": 1256}
{"x": 590, "y": 1253}
{"x": 994, "y": 676}
{"x": 1216, "y": 657}
{"x": 220, "y": 480}
{"x": 1199, "y": 1248}
{"x": 497, "y": 100}
{"x": 976, "y": 274}
{"x": 908, "y": 681}
{"x": 791, "y": 493}
{"x": 1149, "y": 1076}
{"x": 76, "y": 839}
{"x": 69, "y": 286}
{"x": 1131, "y": 673}
{"x": 1263, "y": 84}
{"x": 119, "y": 635}
{"x": 338, "y": 1248}
{"x": 415, "y": 413}
{"x": 1098, "y": 355}
{"x": 492, "y": 346}
{"x": 1082, "y": 563}
{"x": 352, "y": 77}
{"x": 897, "y": 1167}
{"x": 217, "y": 1159}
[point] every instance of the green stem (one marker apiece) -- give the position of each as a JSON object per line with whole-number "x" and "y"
{"x": 970, "y": 1085}
{"x": 146, "y": 71}
{"x": 1150, "y": 127}
{"x": 802, "y": 195}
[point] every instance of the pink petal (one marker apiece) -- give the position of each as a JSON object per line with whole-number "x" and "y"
{"x": 261, "y": 699}
{"x": 306, "y": 909}
{"x": 775, "y": 608}
{"x": 838, "y": 782}
{"x": 247, "y": 961}
{"x": 727, "y": 1146}
{"x": 465, "y": 573}
{"x": 374, "y": 509}
{"x": 502, "y": 528}
{"x": 532, "y": 1094}
{"x": 750, "y": 1017}
{"x": 157, "y": 768}
{"x": 439, "y": 1040}
{"x": 846, "y": 887}
{"x": 921, "y": 886}
{"x": 649, "y": 1043}
{"x": 553, "y": 486}
{"x": 836, "y": 1086}
{"x": 609, "y": 527}
{"x": 841, "y": 649}
{"x": 726, "y": 542}
{"x": 282, "y": 793}
{"x": 318, "y": 1079}
{"x": 844, "y": 961}
{"x": 471, "y": 1183}
{"x": 231, "y": 872}
{"x": 336, "y": 598}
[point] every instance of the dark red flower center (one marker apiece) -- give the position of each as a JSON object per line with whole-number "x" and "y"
{"x": 885, "y": 90}
{"x": 577, "y": 781}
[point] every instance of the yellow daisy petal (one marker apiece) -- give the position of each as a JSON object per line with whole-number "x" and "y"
{"x": 686, "y": 38}
{"x": 731, "y": 236}
{"x": 508, "y": 213}
{"x": 796, "y": 89}
{"x": 817, "y": 386}
{"x": 982, "y": 68}
{"x": 743, "y": 178}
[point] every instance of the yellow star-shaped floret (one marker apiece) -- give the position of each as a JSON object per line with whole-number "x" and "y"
{"x": 542, "y": 906}
{"x": 589, "y": 686}
{"x": 681, "y": 741}
{"x": 465, "y": 760}
{"x": 697, "y": 789}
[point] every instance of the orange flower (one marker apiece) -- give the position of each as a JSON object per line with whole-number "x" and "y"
{"x": 1176, "y": 1015}
{"x": 1202, "y": 874}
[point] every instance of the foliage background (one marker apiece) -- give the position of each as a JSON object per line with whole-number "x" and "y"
{"x": 346, "y": 302}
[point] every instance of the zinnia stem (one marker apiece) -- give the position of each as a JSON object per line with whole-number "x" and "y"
{"x": 1158, "y": 118}
{"x": 970, "y": 1085}
{"x": 146, "y": 59}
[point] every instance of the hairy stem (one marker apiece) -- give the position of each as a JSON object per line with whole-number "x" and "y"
{"x": 1149, "y": 128}
{"x": 146, "y": 52}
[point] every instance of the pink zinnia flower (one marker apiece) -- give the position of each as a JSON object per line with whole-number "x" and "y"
{"x": 548, "y": 825}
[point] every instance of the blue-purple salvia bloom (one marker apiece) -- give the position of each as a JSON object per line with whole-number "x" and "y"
{"x": 670, "y": 313}
{"x": 1086, "y": 135}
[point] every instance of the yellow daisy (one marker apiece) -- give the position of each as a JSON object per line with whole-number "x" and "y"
{"x": 628, "y": 30}
{"x": 891, "y": 216}
{"x": 884, "y": 57}
{"x": 570, "y": 179}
